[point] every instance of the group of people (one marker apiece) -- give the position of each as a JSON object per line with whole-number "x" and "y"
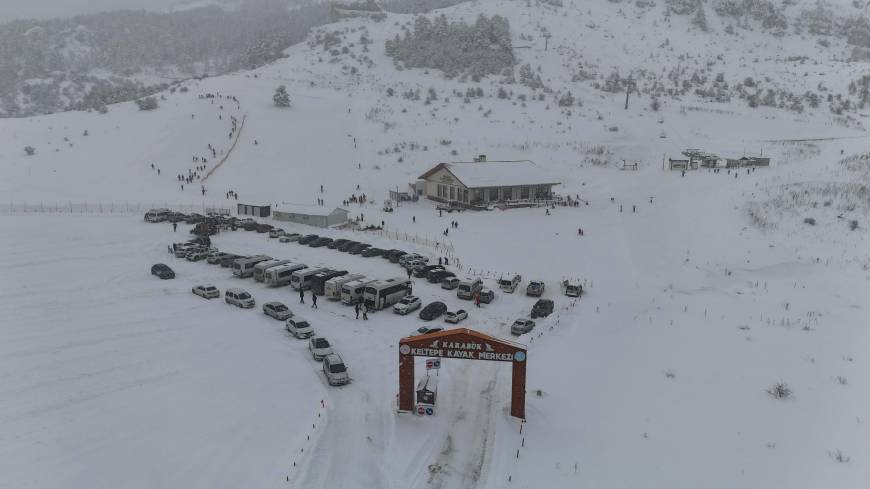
{"x": 155, "y": 168}
{"x": 232, "y": 194}
{"x": 358, "y": 308}
{"x": 354, "y": 199}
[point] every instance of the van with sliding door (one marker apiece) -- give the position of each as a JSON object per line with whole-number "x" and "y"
{"x": 301, "y": 279}
{"x": 352, "y": 292}
{"x": 260, "y": 268}
{"x": 244, "y": 267}
{"x": 468, "y": 287}
{"x": 280, "y": 275}
{"x": 332, "y": 287}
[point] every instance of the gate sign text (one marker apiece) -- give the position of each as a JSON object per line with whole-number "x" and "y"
{"x": 471, "y": 350}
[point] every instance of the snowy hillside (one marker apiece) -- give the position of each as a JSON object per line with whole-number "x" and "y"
{"x": 703, "y": 291}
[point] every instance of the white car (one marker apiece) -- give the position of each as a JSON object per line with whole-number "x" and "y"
{"x": 206, "y": 291}
{"x": 407, "y": 305}
{"x": 299, "y": 328}
{"x": 277, "y": 310}
{"x": 239, "y": 298}
{"x": 426, "y": 330}
{"x": 276, "y": 233}
{"x": 290, "y": 237}
{"x": 197, "y": 256}
{"x": 319, "y": 347}
{"x": 522, "y": 326}
{"x": 455, "y": 317}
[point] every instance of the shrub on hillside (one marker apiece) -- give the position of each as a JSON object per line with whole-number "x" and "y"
{"x": 147, "y": 103}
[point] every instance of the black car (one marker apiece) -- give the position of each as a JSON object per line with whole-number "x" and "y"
{"x": 347, "y": 245}
{"x": 395, "y": 255}
{"x": 264, "y": 228}
{"x": 369, "y": 252}
{"x": 194, "y": 218}
{"x": 307, "y": 239}
{"x": 201, "y": 240}
{"x": 542, "y": 308}
{"x": 436, "y": 276}
{"x": 162, "y": 271}
{"x": 359, "y": 248}
{"x": 335, "y": 244}
{"x": 433, "y": 310}
{"x": 227, "y": 261}
{"x": 317, "y": 243}
{"x": 422, "y": 272}
{"x": 249, "y": 226}
{"x": 177, "y": 217}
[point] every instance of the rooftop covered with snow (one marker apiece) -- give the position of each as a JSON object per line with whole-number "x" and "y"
{"x": 495, "y": 173}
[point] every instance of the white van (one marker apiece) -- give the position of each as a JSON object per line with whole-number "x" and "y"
{"x": 301, "y": 279}
{"x": 352, "y": 292}
{"x": 239, "y": 298}
{"x": 280, "y": 275}
{"x": 332, "y": 287}
{"x": 468, "y": 287}
{"x": 509, "y": 285}
{"x": 244, "y": 267}
{"x": 261, "y": 267}
{"x": 334, "y": 370}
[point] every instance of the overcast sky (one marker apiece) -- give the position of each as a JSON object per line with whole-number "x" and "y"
{"x": 43, "y": 9}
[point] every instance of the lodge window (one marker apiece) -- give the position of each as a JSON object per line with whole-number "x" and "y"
{"x": 452, "y": 193}
{"x": 507, "y": 193}
{"x": 524, "y": 192}
{"x": 493, "y": 194}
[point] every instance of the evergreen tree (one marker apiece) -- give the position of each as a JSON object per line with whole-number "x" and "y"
{"x": 281, "y": 98}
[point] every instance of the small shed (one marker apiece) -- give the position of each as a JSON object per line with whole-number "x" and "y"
{"x": 312, "y": 215}
{"x": 254, "y": 210}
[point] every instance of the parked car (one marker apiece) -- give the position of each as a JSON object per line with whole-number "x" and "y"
{"x": 509, "y": 285}
{"x": 264, "y": 228}
{"x": 370, "y": 252}
{"x": 407, "y": 304}
{"x": 249, "y": 226}
{"x": 299, "y": 327}
{"x": 197, "y": 255}
{"x": 335, "y": 370}
{"x": 239, "y": 298}
{"x": 276, "y": 233}
{"x": 450, "y": 283}
{"x": 395, "y": 255}
{"x": 423, "y": 270}
{"x": 289, "y": 238}
{"x": 412, "y": 264}
{"x": 486, "y": 296}
{"x": 228, "y": 259}
{"x": 215, "y": 258}
{"x": 409, "y": 257}
{"x": 345, "y": 247}
{"x": 522, "y": 326}
{"x": 573, "y": 289}
{"x": 535, "y": 288}
{"x": 206, "y": 291}
{"x": 277, "y": 310}
{"x": 426, "y": 330}
{"x": 304, "y": 240}
{"x": 320, "y": 242}
{"x": 433, "y": 310}
{"x": 176, "y": 217}
{"x": 162, "y": 271}
{"x": 319, "y": 347}
{"x": 194, "y": 218}
{"x": 359, "y": 248}
{"x": 455, "y": 316}
{"x": 436, "y": 276}
{"x": 335, "y": 244}
{"x": 542, "y": 308}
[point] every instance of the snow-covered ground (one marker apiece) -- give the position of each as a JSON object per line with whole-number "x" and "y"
{"x": 702, "y": 292}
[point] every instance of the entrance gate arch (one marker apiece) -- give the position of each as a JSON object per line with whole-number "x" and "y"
{"x": 463, "y": 344}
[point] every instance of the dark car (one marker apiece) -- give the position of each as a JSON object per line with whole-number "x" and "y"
{"x": 319, "y": 242}
{"x": 249, "y": 226}
{"x": 423, "y": 271}
{"x": 264, "y": 228}
{"x": 359, "y": 248}
{"x": 347, "y": 245}
{"x": 307, "y": 239}
{"x": 201, "y": 240}
{"x": 177, "y": 217}
{"x": 227, "y": 260}
{"x": 436, "y": 276}
{"x": 335, "y": 244}
{"x": 395, "y": 255}
{"x": 542, "y": 308}
{"x": 162, "y": 271}
{"x": 433, "y": 310}
{"x": 194, "y": 218}
{"x": 369, "y": 252}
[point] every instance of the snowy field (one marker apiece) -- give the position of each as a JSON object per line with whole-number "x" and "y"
{"x": 702, "y": 292}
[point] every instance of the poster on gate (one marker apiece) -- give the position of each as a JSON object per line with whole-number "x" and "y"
{"x": 433, "y": 363}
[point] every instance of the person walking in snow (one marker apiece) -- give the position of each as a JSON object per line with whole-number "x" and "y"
{"x": 169, "y": 248}
{"x": 301, "y": 296}
{"x": 414, "y": 219}
{"x": 313, "y": 300}
{"x": 477, "y": 299}
{"x": 174, "y": 227}
{"x": 365, "y": 311}
{"x": 356, "y": 310}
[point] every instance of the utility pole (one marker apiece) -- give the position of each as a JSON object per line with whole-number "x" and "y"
{"x": 628, "y": 86}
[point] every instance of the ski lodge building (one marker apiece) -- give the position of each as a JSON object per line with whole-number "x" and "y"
{"x": 483, "y": 182}
{"x": 312, "y": 215}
